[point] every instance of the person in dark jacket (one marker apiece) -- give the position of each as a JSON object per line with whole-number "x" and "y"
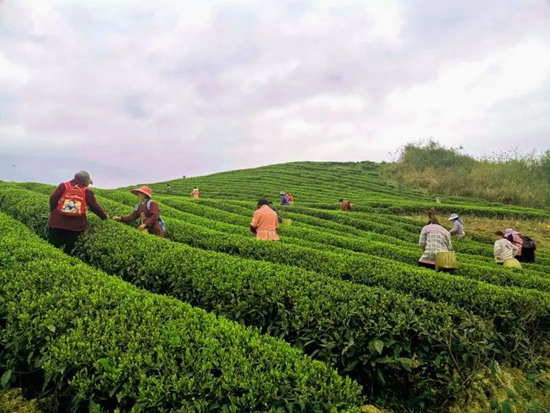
{"x": 147, "y": 211}
{"x": 63, "y": 231}
{"x": 526, "y": 253}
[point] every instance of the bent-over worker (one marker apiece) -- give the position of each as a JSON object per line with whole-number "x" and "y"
{"x": 433, "y": 239}
{"x": 458, "y": 226}
{"x": 265, "y": 223}
{"x": 195, "y": 193}
{"x": 503, "y": 248}
{"x": 345, "y": 205}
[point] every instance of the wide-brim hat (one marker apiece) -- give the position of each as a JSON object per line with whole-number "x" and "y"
{"x": 144, "y": 190}
{"x": 453, "y": 217}
{"x": 282, "y": 193}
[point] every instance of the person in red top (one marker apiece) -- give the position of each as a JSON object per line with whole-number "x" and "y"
{"x": 265, "y": 222}
{"x": 346, "y": 205}
{"x": 63, "y": 231}
{"x": 147, "y": 211}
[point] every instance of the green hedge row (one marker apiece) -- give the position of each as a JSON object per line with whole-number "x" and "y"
{"x": 471, "y": 266}
{"x": 474, "y": 267}
{"x": 94, "y": 340}
{"x": 514, "y": 311}
{"x": 244, "y": 208}
{"x": 306, "y": 228}
{"x": 513, "y": 308}
{"x": 425, "y": 350}
{"x": 400, "y": 207}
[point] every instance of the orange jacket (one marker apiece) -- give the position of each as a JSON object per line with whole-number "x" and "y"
{"x": 346, "y": 205}
{"x": 265, "y": 222}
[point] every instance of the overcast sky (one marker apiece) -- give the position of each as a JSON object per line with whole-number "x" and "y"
{"x": 142, "y": 91}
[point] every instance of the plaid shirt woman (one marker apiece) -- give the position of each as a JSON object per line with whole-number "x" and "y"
{"x": 433, "y": 238}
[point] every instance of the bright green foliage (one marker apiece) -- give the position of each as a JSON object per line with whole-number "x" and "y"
{"x": 344, "y": 287}
{"x": 377, "y": 337}
{"x": 94, "y": 340}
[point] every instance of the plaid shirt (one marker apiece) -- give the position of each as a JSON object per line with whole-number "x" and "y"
{"x": 437, "y": 239}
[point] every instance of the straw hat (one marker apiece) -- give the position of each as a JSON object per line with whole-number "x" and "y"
{"x": 144, "y": 190}
{"x": 453, "y": 217}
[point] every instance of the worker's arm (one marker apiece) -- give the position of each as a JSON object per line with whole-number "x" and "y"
{"x": 422, "y": 240}
{"x": 94, "y": 206}
{"x": 130, "y": 218}
{"x": 56, "y": 196}
{"x": 455, "y": 228}
{"x": 254, "y": 223}
{"x": 497, "y": 250}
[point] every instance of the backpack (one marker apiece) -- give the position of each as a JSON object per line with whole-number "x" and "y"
{"x": 161, "y": 221}
{"x": 529, "y": 243}
{"x": 73, "y": 201}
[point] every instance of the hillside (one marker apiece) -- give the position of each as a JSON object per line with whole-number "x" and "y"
{"x": 343, "y": 288}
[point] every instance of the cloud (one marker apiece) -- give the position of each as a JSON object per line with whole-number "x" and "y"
{"x": 173, "y": 88}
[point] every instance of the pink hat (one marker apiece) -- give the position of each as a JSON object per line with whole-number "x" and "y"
{"x": 144, "y": 190}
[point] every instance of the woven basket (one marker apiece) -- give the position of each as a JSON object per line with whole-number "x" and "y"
{"x": 445, "y": 260}
{"x": 511, "y": 263}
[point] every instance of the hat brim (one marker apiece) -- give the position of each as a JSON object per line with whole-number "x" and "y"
{"x": 139, "y": 191}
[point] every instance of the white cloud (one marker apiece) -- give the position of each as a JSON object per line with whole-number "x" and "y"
{"x": 195, "y": 87}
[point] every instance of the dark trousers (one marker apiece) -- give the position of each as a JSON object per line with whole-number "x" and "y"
{"x": 63, "y": 238}
{"x": 426, "y": 265}
{"x": 527, "y": 255}
{"x": 432, "y": 267}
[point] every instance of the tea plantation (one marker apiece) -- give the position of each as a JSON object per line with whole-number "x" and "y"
{"x": 334, "y": 317}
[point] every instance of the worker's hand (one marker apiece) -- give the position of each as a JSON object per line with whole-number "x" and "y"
{"x": 142, "y": 226}
{"x": 116, "y": 218}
